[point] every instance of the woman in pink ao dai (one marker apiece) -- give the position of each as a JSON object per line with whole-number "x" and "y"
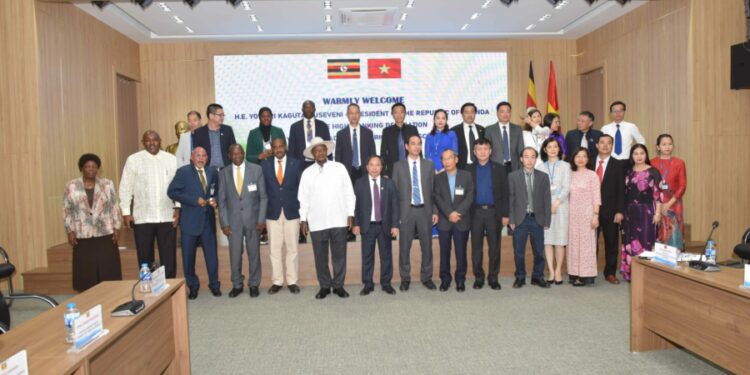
{"x": 585, "y": 199}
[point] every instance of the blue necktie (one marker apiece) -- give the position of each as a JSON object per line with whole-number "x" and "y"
{"x": 415, "y": 196}
{"x": 355, "y": 150}
{"x": 309, "y": 131}
{"x": 618, "y": 141}
{"x": 401, "y": 150}
{"x": 506, "y": 145}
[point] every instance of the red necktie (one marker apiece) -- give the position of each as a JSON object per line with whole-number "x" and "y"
{"x": 600, "y": 171}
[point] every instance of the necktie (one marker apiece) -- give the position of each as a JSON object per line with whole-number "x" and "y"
{"x": 309, "y": 131}
{"x": 529, "y": 192}
{"x": 376, "y": 199}
{"x": 600, "y": 171}
{"x": 401, "y": 149}
{"x": 618, "y": 141}
{"x": 415, "y": 196}
{"x": 355, "y": 150}
{"x": 506, "y": 144}
{"x": 280, "y": 174}
{"x": 203, "y": 180}
{"x": 471, "y": 143}
{"x": 238, "y": 180}
{"x": 584, "y": 141}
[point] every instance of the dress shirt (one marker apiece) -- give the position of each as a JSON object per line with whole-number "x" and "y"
{"x": 276, "y": 165}
{"x": 359, "y": 143}
{"x": 146, "y": 178}
{"x": 505, "y": 128}
{"x": 326, "y": 196}
{"x": 452, "y": 183}
{"x": 484, "y": 184}
{"x": 419, "y": 176}
{"x": 529, "y": 176}
{"x": 604, "y": 166}
{"x": 241, "y": 167}
{"x": 469, "y": 146}
{"x": 184, "y": 149}
{"x": 372, "y": 197}
{"x": 630, "y": 134}
{"x": 304, "y": 130}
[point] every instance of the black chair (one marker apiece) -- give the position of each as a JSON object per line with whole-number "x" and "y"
{"x": 743, "y": 249}
{"x": 6, "y": 301}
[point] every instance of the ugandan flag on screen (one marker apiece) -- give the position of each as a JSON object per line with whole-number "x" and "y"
{"x": 343, "y": 68}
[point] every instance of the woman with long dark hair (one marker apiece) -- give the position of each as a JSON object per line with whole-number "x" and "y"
{"x": 672, "y": 188}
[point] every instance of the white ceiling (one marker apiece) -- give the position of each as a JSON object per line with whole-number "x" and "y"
{"x": 305, "y": 19}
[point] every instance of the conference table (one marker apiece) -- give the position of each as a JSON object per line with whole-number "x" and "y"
{"x": 707, "y": 313}
{"x": 155, "y": 341}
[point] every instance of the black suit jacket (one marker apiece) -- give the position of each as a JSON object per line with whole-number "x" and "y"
{"x": 343, "y": 149}
{"x": 460, "y": 203}
{"x": 499, "y": 189}
{"x": 389, "y": 211}
{"x": 613, "y": 188}
{"x": 202, "y": 139}
{"x": 298, "y": 137}
{"x": 462, "y": 137}
{"x": 389, "y": 145}
{"x": 573, "y": 141}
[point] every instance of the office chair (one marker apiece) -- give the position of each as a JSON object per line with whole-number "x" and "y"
{"x": 743, "y": 249}
{"x": 6, "y": 271}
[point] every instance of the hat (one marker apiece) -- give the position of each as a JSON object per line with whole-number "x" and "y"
{"x": 318, "y": 141}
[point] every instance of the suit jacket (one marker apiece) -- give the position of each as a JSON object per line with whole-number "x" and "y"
{"x": 248, "y": 208}
{"x": 389, "y": 210}
{"x": 186, "y": 188}
{"x": 389, "y": 145}
{"x": 284, "y": 196}
{"x": 298, "y": 139}
{"x": 462, "y": 137}
{"x": 202, "y": 139}
{"x": 573, "y": 141}
{"x": 612, "y": 188}
{"x": 402, "y": 179}
{"x": 519, "y": 201}
{"x": 492, "y": 133}
{"x": 499, "y": 189}
{"x": 343, "y": 149}
{"x": 460, "y": 203}
{"x": 255, "y": 142}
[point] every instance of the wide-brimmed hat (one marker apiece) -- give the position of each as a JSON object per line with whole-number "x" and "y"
{"x": 315, "y": 142}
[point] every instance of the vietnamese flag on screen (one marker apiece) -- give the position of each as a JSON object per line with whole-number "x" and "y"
{"x": 383, "y": 68}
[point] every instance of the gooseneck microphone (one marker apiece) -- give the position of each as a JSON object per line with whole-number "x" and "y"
{"x": 713, "y": 227}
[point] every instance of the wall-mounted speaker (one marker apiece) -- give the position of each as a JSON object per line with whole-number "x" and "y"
{"x": 740, "y": 66}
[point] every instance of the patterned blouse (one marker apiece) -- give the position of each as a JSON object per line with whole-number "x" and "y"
{"x": 101, "y": 219}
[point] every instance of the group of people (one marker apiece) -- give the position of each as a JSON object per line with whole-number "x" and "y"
{"x": 559, "y": 190}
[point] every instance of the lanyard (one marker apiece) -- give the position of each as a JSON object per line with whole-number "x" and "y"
{"x": 666, "y": 170}
{"x": 552, "y": 171}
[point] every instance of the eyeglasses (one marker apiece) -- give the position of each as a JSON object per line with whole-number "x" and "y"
{"x": 218, "y": 114}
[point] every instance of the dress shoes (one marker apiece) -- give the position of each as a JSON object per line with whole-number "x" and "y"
{"x": 294, "y": 289}
{"x": 254, "y": 292}
{"x": 340, "y": 292}
{"x": 495, "y": 285}
{"x": 613, "y": 279}
{"x": 235, "y": 292}
{"x": 264, "y": 238}
{"x": 542, "y": 283}
{"x": 460, "y": 287}
{"x": 216, "y": 292}
{"x": 193, "y": 294}
{"x": 519, "y": 283}
{"x": 366, "y": 290}
{"x": 429, "y": 285}
{"x": 444, "y": 286}
{"x": 274, "y": 289}
{"x": 322, "y": 293}
{"x": 404, "y": 286}
{"x": 389, "y": 289}
{"x": 478, "y": 284}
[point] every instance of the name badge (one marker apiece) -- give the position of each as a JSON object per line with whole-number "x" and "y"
{"x": 664, "y": 186}
{"x": 460, "y": 190}
{"x": 252, "y": 187}
{"x": 553, "y": 187}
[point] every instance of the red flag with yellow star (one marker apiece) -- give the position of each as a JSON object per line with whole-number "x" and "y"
{"x": 383, "y": 68}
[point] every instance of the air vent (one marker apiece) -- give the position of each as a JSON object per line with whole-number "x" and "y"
{"x": 383, "y": 16}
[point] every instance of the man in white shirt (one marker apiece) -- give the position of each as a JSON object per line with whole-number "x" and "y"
{"x": 146, "y": 177}
{"x": 185, "y": 146}
{"x": 625, "y": 134}
{"x": 466, "y": 133}
{"x": 326, "y": 200}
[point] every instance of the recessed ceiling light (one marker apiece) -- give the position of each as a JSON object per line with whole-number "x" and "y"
{"x": 464, "y": 27}
{"x": 165, "y": 7}
{"x": 246, "y": 5}
{"x": 327, "y": 4}
{"x": 189, "y": 30}
{"x": 329, "y": 28}
{"x": 328, "y": 18}
{"x": 253, "y": 18}
{"x": 399, "y": 27}
{"x": 403, "y": 16}
{"x": 545, "y": 17}
{"x": 260, "y": 29}
{"x": 191, "y": 3}
{"x": 560, "y": 4}
{"x": 177, "y": 19}
{"x": 410, "y": 4}
{"x": 533, "y": 25}
{"x": 475, "y": 16}
{"x": 486, "y": 3}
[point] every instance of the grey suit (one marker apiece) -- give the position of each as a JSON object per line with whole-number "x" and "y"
{"x": 415, "y": 217}
{"x": 529, "y": 223}
{"x": 460, "y": 202}
{"x": 241, "y": 212}
{"x": 493, "y": 134}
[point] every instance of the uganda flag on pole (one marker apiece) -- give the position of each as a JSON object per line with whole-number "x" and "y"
{"x": 343, "y": 68}
{"x": 383, "y": 68}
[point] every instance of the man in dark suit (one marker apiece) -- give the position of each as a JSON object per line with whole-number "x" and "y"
{"x": 530, "y": 214}
{"x": 392, "y": 143}
{"x": 414, "y": 178}
{"x": 194, "y": 186}
{"x": 611, "y": 174}
{"x": 584, "y": 136}
{"x": 454, "y": 195}
{"x": 215, "y": 137}
{"x": 242, "y": 216}
{"x": 466, "y": 133}
{"x": 489, "y": 213}
{"x": 376, "y": 217}
{"x": 354, "y": 144}
{"x": 303, "y": 131}
{"x": 282, "y": 175}
{"x": 506, "y": 139}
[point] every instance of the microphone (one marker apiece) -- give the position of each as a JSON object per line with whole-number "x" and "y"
{"x": 134, "y": 306}
{"x": 713, "y": 227}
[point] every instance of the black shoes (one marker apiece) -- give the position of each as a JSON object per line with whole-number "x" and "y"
{"x": 254, "y": 292}
{"x": 443, "y": 286}
{"x": 322, "y": 293}
{"x": 193, "y": 294}
{"x": 294, "y": 289}
{"x": 478, "y": 284}
{"x": 274, "y": 289}
{"x": 542, "y": 283}
{"x": 460, "y": 287}
{"x": 215, "y": 291}
{"x": 495, "y": 285}
{"x": 404, "y": 286}
{"x": 519, "y": 283}
{"x": 429, "y": 285}
{"x": 340, "y": 292}
{"x": 366, "y": 290}
{"x": 264, "y": 238}
{"x": 389, "y": 289}
{"x": 235, "y": 292}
